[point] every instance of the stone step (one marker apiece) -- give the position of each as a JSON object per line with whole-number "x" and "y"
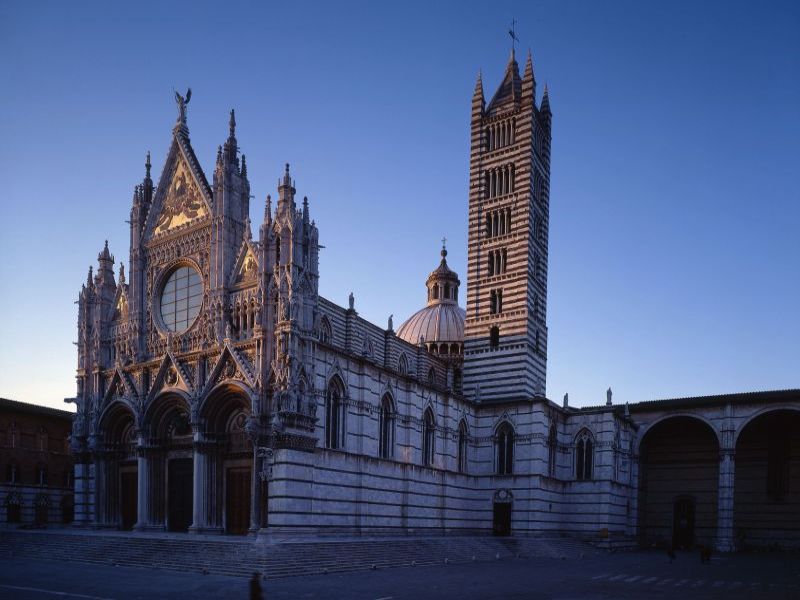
{"x": 243, "y": 556}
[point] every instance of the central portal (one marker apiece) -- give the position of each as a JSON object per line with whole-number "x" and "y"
{"x": 179, "y": 494}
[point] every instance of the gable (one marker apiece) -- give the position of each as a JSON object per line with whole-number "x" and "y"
{"x": 183, "y": 200}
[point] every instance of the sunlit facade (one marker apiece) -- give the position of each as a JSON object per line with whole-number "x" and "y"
{"x": 218, "y": 392}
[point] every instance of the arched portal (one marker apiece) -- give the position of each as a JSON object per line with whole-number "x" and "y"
{"x": 766, "y": 504}
{"x": 167, "y": 460}
{"x": 678, "y": 481}
{"x": 116, "y": 469}
{"x": 227, "y": 464}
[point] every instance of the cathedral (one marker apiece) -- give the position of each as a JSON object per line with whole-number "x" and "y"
{"x": 218, "y": 392}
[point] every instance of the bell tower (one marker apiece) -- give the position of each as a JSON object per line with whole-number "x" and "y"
{"x": 505, "y": 336}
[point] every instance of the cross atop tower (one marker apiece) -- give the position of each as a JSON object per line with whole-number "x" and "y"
{"x": 513, "y": 33}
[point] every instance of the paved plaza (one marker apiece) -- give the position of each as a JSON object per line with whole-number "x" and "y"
{"x": 595, "y": 576}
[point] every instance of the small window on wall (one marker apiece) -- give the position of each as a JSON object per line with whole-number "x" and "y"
{"x": 428, "y": 438}
{"x": 462, "y": 447}
{"x": 505, "y": 449}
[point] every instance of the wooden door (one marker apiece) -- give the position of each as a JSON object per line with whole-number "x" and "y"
{"x": 179, "y": 494}
{"x": 237, "y": 500}
{"x": 683, "y": 523}
{"x": 128, "y": 499}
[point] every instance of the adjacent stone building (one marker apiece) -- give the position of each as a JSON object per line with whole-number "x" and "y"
{"x": 36, "y": 485}
{"x": 218, "y": 392}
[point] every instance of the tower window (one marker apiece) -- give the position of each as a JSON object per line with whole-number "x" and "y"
{"x": 496, "y": 302}
{"x": 494, "y": 337}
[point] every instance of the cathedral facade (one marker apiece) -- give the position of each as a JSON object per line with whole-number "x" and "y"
{"x": 218, "y": 392}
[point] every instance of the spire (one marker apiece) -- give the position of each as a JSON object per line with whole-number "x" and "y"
{"x": 121, "y": 273}
{"x": 511, "y": 87}
{"x": 89, "y": 278}
{"x": 231, "y": 146}
{"x": 287, "y": 180}
{"x": 105, "y": 255}
{"x": 244, "y": 166}
{"x": 147, "y": 166}
{"x": 268, "y": 209}
{"x": 305, "y": 210}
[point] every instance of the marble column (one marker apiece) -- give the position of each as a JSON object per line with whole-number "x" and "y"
{"x": 143, "y": 492}
{"x": 725, "y": 539}
{"x": 255, "y": 492}
{"x": 200, "y": 487}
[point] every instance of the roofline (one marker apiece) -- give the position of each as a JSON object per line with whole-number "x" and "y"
{"x": 694, "y": 401}
{"x": 36, "y": 409}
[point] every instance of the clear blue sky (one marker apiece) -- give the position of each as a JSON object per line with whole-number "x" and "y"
{"x": 675, "y": 211}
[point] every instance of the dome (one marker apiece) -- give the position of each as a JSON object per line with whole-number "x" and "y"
{"x": 435, "y": 323}
{"x": 442, "y": 320}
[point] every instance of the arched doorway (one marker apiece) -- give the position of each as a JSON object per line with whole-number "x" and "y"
{"x": 117, "y": 471}
{"x": 168, "y": 451}
{"x": 229, "y": 491}
{"x": 678, "y": 481}
{"x": 766, "y": 504}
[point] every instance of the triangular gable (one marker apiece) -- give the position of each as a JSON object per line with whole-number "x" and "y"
{"x": 230, "y": 365}
{"x": 183, "y": 194}
{"x": 171, "y": 374}
{"x": 120, "y": 387}
{"x": 246, "y": 266}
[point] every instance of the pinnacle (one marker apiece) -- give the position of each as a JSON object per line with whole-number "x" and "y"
{"x": 528, "y": 67}
{"x": 479, "y": 86}
{"x": 232, "y": 124}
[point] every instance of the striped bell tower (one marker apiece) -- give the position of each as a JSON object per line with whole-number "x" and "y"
{"x": 505, "y": 337}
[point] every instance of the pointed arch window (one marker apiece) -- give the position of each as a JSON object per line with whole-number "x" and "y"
{"x": 428, "y": 438}
{"x": 431, "y": 376}
{"x": 504, "y": 449}
{"x": 386, "y": 426}
{"x": 325, "y": 331}
{"x": 462, "y": 446}
{"x": 402, "y": 365}
{"x": 334, "y": 414}
{"x": 584, "y": 455}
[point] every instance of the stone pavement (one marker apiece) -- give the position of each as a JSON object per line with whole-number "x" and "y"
{"x": 633, "y": 575}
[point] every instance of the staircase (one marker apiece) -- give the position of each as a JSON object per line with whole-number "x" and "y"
{"x": 243, "y": 556}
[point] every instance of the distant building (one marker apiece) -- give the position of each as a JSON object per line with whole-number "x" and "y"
{"x": 36, "y": 486}
{"x": 218, "y": 392}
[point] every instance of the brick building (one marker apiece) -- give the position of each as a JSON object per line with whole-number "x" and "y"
{"x": 36, "y": 485}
